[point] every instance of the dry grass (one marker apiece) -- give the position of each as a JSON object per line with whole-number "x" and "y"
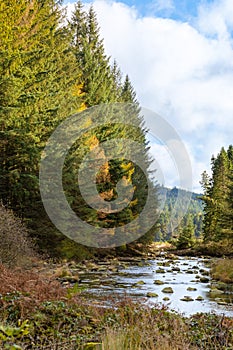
{"x": 79, "y": 325}
{"x": 145, "y": 328}
{"x": 222, "y": 270}
{"x": 31, "y": 288}
{"x": 29, "y": 282}
{"x": 133, "y": 339}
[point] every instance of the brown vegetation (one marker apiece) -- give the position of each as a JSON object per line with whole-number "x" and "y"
{"x": 30, "y": 288}
{"x": 16, "y": 247}
{"x": 222, "y": 270}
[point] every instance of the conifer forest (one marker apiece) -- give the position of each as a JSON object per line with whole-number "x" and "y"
{"x": 57, "y": 293}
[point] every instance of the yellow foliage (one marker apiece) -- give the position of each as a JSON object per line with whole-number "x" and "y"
{"x": 82, "y": 107}
{"x": 78, "y": 90}
{"x": 92, "y": 142}
{"x": 134, "y": 202}
{"x": 129, "y": 168}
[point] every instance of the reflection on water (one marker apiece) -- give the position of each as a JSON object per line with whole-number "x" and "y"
{"x": 187, "y": 278}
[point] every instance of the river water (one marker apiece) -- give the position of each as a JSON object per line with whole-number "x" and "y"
{"x": 187, "y": 279}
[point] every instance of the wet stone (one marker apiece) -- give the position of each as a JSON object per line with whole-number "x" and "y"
{"x": 160, "y": 271}
{"x": 152, "y": 295}
{"x": 187, "y": 298}
{"x": 140, "y": 283}
{"x": 204, "y": 280}
{"x": 167, "y": 290}
{"x": 159, "y": 282}
{"x": 166, "y": 299}
{"x": 176, "y": 268}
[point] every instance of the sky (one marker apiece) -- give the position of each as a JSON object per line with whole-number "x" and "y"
{"x": 179, "y": 57}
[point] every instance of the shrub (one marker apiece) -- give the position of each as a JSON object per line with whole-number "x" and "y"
{"x": 15, "y": 245}
{"x": 21, "y": 291}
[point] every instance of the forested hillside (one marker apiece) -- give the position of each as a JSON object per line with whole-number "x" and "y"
{"x": 176, "y": 221}
{"x": 51, "y": 68}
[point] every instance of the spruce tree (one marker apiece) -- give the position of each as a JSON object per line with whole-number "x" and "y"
{"x": 36, "y": 93}
{"x": 218, "y": 197}
{"x": 95, "y": 72}
{"x": 186, "y": 236}
{"x": 101, "y": 83}
{"x": 48, "y": 72}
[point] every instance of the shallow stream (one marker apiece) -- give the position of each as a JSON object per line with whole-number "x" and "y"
{"x": 188, "y": 287}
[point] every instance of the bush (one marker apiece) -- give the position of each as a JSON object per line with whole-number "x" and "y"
{"x": 222, "y": 270}
{"x": 16, "y": 247}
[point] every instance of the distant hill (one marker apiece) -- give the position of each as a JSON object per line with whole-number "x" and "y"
{"x": 179, "y": 206}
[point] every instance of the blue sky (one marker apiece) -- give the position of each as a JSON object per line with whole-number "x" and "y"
{"x": 179, "y": 56}
{"x": 177, "y": 9}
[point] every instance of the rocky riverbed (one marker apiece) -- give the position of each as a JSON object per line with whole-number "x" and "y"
{"x": 181, "y": 283}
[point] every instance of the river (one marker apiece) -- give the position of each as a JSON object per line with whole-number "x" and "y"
{"x": 181, "y": 283}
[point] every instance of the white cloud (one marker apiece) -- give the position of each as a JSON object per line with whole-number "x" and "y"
{"x": 183, "y": 71}
{"x": 158, "y": 5}
{"x": 217, "y": 18}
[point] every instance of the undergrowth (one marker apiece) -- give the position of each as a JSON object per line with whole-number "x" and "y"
{"x": 36, "y": 312}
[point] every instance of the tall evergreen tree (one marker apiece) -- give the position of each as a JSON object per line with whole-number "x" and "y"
{"x": 95, "y": 78}
{"x": 49, "y": 71}
{"x": 36, "y": 93}
{"x": 218, "y": 197}
{"x": 101, "y": 83}
{"x": 186, "y": 236}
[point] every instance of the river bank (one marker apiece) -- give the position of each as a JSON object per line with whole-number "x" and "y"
{"x": 37, "y": 312}
{"x": 181, "y": 283}
{"x": 50, "y": 306}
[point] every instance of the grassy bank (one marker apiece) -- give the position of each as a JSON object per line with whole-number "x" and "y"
{"x": 222, "y": 270}
{"x": 36, "y": 312}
